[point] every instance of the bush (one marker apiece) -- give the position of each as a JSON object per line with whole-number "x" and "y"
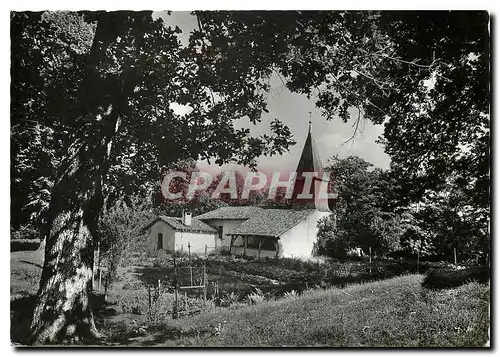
{"x": 133, "y": 302}
{"x": 17, "y": 245}
{"x": 181, "y": 254}
{"x": 162, "y": 261}
{"x": 449, "y": 278}
{"x": 25, "y": 232}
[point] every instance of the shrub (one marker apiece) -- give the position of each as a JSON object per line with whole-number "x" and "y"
{"x": 133, "y": 303}
{"x": 294, "y": 263}
{"x": 450, "y": 278}
{"x": 25, "y": 232}
{"x": 162, "y": 261}
{"x": 181, "y": 254}
{"x": 118, "y": 228}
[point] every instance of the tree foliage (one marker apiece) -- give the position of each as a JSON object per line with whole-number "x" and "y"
{"x": 438, "y": 120}
{"x": 364, "y": 216}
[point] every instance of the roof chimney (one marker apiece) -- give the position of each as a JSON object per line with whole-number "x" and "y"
{"x": 186, "y": 218}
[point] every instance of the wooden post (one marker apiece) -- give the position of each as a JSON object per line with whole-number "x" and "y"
{"x": 100, "y": 279}
{"x": 231, "y": 244}
{"x": 276, "y": 246}
{"x": 149, "y": 298}
{"x": 245, "y": 246}
{"x": 455, "y": 255}
{"x": 206, "y": 250}
{"x": 370, "y": 251}
{"x": 99, "y": 266}
{"x": 205, "y": 278}
{"x": 94, "y": 265}
{"x": 106, "y": 285}
{"x": 419, "y": 245}
{"x": 174, "y": 312}
{"x": 260, "y": 245}
{"x": 176, "y": 302}
{"x": 190, "y": 267}
{"x": 418, "y": 261}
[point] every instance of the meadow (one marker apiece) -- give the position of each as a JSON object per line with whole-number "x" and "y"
{"x": 282, "y": 302}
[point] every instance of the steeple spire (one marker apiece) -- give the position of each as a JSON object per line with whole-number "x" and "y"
{"x": 309, "y": 162}
{"x": 309, "y": 159}
{"x": 310, "y": 122}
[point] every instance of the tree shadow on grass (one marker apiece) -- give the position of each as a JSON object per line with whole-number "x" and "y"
{"x": 450, "y": 278}
{"x": 31, "y": 263}
{"x": 151, "y": 275}
{"x": 21, "y": 311}
{"x": 176, "y": 335}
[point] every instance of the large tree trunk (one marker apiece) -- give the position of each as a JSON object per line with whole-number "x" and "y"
{"x": 62, "y": 312}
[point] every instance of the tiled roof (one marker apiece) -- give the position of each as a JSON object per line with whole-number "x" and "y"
{"x": 176, "y": 223}
{"x": 231, "y": 212}
{"x": 271, "y": 222}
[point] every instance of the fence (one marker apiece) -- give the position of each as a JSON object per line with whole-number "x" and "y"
{"x": 187, "y": 280}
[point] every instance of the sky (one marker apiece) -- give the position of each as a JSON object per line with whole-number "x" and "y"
{"x": 295, "y": 110}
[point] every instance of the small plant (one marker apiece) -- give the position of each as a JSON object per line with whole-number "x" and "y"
{"x": 256, "y": 297}
{"x": 209, "y": 305}
{"x": 232, "y": 298}
{"x": 219, "y": 329}
{"x": 290, "y": 294}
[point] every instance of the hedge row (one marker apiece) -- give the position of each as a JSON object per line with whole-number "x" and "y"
{"x": 24, "y": 244}
{"x": 450, "y": 278}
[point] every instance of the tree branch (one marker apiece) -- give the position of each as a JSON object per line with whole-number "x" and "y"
{"x": 357, "y": 95}
{"x": 358, "y": 119}
{"x": 413, "y": 63}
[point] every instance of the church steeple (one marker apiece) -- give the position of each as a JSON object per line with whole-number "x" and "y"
{"x": 309, "y": 161}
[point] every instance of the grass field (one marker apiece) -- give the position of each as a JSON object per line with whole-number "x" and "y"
{"x": 25, "y": 272}
{"x": 395, "y": 312}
